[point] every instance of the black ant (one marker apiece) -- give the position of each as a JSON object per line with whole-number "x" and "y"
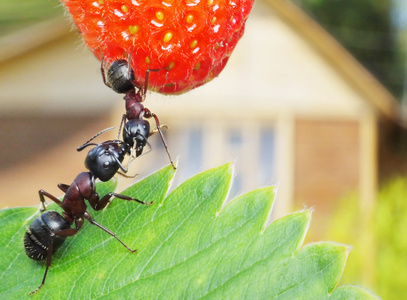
{"x": 49, "y": 231}
{"x": 105, "y": 159}
{"x": 120, "y": 78}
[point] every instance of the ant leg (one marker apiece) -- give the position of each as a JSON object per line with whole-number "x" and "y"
{"x": 130, "y": 74}
{"x": 43, "y": 193}
{"x": 49, "y": 260}
{"x": 149, "y": 114}
{"x": 93, "y": 222}
{"x": 144, "y": 89}
{"x": 106, "y": 200}
{"x": 128, "y": 198}
{"x": 102, "y": 203}
{"x": 66, "y": 232}
{"x": 102, "y": 70}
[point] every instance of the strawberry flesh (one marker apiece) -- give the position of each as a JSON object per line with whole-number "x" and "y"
{"x": 191, "y": 40}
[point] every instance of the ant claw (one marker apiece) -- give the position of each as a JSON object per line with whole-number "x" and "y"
{"x": 33, "y": 292}
{"x": 43, "y": 207}
{"x": 157, "y": 130}
{"x": 144, "y": 203}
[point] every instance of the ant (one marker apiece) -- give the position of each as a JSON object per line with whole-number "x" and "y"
{"x": 120, "y": 78}
{"x": 49, "y": 231}
{"x": 105, "y": 159}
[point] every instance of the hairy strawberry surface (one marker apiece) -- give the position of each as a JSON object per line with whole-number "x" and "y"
{"x": 191, "y": 40}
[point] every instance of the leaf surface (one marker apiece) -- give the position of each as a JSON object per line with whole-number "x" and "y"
{"x": 190, "y": 245}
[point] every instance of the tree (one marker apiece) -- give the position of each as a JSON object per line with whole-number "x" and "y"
{"x": 364, "y": 27}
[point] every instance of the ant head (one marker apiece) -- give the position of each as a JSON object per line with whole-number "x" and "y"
{"x": 104, "y": 160}
{"x": 119, "y": 76}
{"x": 136, "y": 133}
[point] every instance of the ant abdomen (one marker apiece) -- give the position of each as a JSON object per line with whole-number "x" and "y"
{"x": 38, "y": 236}
{"x": 119, "y": 77}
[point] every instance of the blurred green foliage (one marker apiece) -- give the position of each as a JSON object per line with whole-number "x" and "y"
{"x": 17, "y": 14}
{"x": 364, "y": 27}
{"x": 379, "y": 239}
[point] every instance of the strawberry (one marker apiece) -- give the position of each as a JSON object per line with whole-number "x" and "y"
{"x": 191, "y": 39}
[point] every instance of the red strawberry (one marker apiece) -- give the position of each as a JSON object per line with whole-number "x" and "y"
{"x": 191, "y": 39}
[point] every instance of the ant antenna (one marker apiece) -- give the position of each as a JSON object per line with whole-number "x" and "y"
{"x": 123, "y": 168}
{"x": 133, "y": 157}
{"x": 121, "y": 125}
{"x": 86, "y": 144}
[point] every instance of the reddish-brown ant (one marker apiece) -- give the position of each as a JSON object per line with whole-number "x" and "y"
{"x": 120, "y": 78}
{"x": 49, "y": 231}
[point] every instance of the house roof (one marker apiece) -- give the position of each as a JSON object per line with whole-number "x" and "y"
{"x": 339, "y": 57}
{"x": 19, "y": 42}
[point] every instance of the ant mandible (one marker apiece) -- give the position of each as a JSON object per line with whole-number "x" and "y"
{"x": 120, "y": 78}
{"x": 49, "y": 231}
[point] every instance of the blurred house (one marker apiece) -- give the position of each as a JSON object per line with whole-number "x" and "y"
{"x": 291, "y": 108}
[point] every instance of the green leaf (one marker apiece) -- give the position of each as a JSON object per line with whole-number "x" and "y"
{"x": 189, "y": 246}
